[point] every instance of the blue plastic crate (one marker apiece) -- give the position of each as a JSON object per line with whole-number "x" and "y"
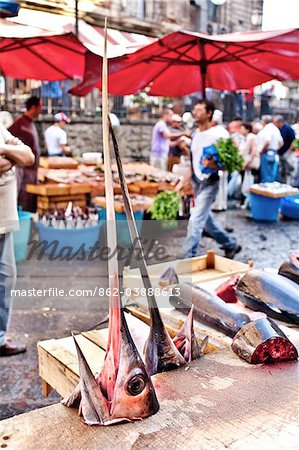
{"x": 67, "y": 241}
{"x": 123, "y": 234}
{"x": 290, "y": 207}
{"x": 264, "y": 209}
{"x": 22, "y": 236}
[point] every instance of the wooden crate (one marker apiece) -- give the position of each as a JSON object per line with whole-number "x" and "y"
{"x": 58, "y": 162}
{"x": 195, "y": 270}
{"x": 45, "y": 203}
{"x": 80, "y": 188}
{"x": 144, "y": 187}
{"x": 48, "y": 189}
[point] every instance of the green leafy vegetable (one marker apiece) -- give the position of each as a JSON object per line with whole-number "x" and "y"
{"x": 296, "y": 143}
{"x": 229, "y": 155}
{"x": 165, "y": 206}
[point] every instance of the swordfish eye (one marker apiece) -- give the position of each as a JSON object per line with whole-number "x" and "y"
{"x": 136, "y": 385}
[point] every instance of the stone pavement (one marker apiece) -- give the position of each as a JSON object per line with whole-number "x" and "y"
{"x": 38, "y": 318}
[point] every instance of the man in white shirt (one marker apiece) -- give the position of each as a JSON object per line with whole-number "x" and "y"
{"x": 206, "y": 186}
{"x": 12, "y": 153}
{"x": 56, "y": 137}
{"x": 269, "y": 141}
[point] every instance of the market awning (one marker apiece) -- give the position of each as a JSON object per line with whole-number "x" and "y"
{"x": 28, "y": 52}
{"x": 184, "y": 62}
{"x": 119, "y": 42}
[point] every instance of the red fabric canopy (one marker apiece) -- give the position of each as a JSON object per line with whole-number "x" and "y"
{"x": 185, "y": 62}
{"x": 28, "y": 52}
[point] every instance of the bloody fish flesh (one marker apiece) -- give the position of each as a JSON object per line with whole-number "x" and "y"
{"x": 227, "y": 290}
{"x": 262, "y": 341}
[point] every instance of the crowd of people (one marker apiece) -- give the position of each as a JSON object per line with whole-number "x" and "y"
{"x": 268, "y": 151}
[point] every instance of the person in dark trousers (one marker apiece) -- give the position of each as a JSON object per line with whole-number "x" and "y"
{"x": 206, "y": 187}
{"x": 288, "y": 136}
{"x": 25, "y": 129}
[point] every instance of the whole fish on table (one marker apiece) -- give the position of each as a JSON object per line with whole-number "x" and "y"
{"x": 271, "y": 293}
{"x": 290, "y": 269}
{"x": 208, "y": 308}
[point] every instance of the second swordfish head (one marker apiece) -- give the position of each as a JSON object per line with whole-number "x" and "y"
{"x": 123, "y": 391}
{"x": 186, "y": 341}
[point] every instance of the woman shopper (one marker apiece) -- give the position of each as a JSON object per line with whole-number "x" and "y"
{"x": 12, "y": 153}
{"x": 249, "y": 151}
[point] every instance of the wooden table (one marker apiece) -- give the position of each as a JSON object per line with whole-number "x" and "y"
{"x": 219, "y": 402}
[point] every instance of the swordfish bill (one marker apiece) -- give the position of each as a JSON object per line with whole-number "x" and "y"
{"x": 160, "y": 352}
{"x": 123, "y": 391}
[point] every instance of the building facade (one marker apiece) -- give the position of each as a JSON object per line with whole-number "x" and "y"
{"x": 159, "y": 17}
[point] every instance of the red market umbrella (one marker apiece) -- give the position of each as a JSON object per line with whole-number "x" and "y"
{"x": 185, "y": 62}
{"x": 28, "y": 52}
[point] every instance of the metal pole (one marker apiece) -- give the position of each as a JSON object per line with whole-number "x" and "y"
{"x": 77, "y": 18}
{"x": 204, "y": 83}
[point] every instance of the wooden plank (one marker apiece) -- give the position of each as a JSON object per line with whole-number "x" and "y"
{"x": 218, "y": 403}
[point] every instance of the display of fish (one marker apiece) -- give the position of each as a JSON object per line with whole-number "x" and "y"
{"x": 123, "y": 391}
{"x": 160, "y": 353}
{"x": 290, "y": 269}
{"x": 262, "y": 341}
{"x": 208, "y": 308}
{"x": 270, "y": 293}
{"x": 256, "y": 341}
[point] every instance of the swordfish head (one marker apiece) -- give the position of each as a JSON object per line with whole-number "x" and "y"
{"x": 160, "y": 353}
{"x": 186, "y": 341}
{"x": 123, "y": 391}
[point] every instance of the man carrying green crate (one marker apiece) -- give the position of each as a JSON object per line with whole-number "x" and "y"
{"x": 12, "y": 153}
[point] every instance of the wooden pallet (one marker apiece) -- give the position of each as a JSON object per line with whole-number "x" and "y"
{"x": 45, "y": 203}
{"x": 196, "y": 270}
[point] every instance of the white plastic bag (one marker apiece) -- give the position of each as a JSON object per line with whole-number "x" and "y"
{"x": 234, "y": 185}
{"x": 247, "y": 182}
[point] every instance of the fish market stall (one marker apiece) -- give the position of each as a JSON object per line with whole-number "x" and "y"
{"x": 66, "y": 179}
